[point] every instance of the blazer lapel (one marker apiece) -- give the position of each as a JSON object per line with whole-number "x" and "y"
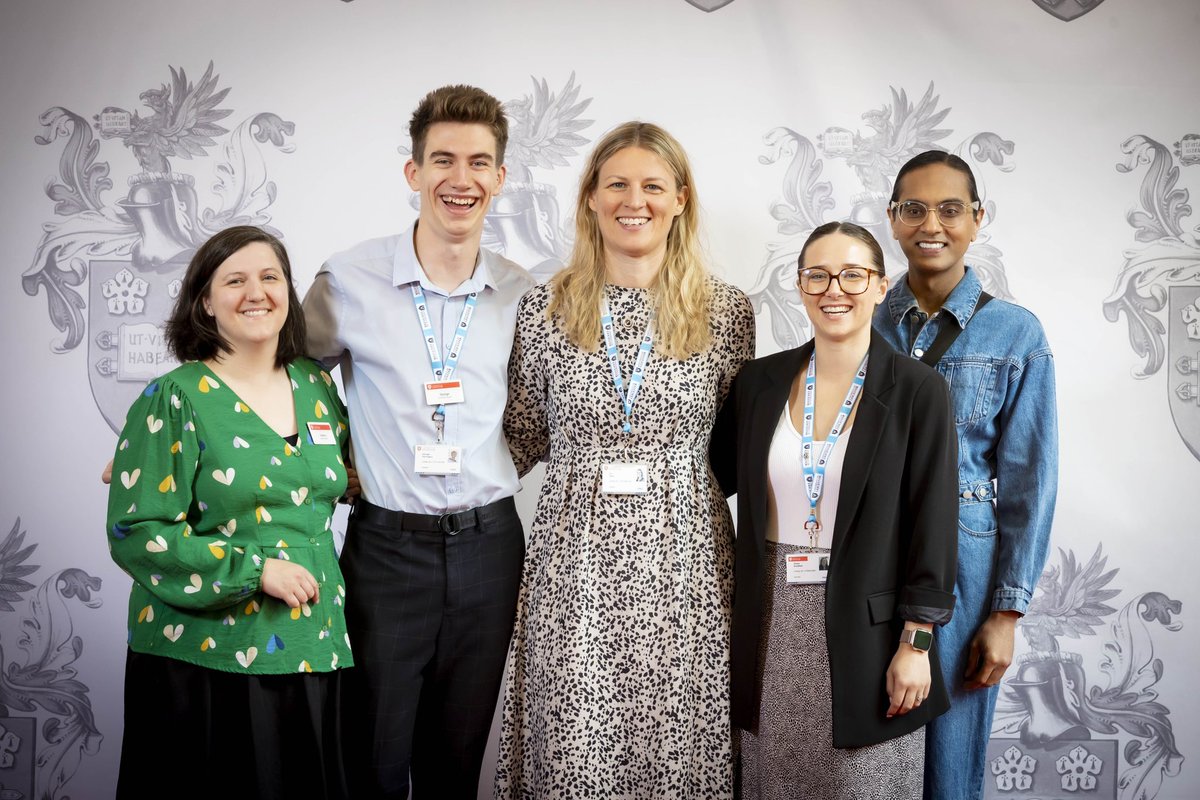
{"x": 865, "y": 436}
{"x": 768, "y": 404}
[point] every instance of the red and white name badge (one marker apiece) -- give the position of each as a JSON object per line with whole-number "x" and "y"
{"x": 443, "y": 393}
{"x": 807, "y": 567}
{"x": 321, "y": 433}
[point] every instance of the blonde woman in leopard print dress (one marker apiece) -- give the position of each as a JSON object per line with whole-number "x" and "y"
{"x": 618, "y": 676}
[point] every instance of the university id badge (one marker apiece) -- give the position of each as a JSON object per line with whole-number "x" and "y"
{"x": 321, "y": 433}
{"x": 618, "y": 477}
{"x": 437, "y": 459}
{"x": 807, "y": 567}
{"x": 443, "y": 393}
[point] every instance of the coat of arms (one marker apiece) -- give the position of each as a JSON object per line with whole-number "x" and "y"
{"x": 1067, "y": 10}
{"x": 136, "y": 249}
{"x": 46, "y": 720}
{"x": 1158, "y": 289}
{"x": 900, "y": 130}
{"x": 1068, "y": 729}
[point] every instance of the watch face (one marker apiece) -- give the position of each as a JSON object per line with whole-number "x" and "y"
{"x": 922, "y": 640}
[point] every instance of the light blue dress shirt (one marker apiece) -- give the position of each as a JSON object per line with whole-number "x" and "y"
{"x": 360, "y": 314}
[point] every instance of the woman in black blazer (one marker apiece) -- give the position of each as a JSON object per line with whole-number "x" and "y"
{"x": 831, "y": 668}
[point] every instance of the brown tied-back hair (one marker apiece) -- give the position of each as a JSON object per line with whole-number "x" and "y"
{"x": 458, "y": 103}
{"x": 191, "y": 332}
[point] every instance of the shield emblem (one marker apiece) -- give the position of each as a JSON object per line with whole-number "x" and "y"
{"x": 1066, "y": 10}
{"x": 1183, "y": 356}
{"x": 709, "y": 5}
{"x": 18, "y": 759}
{"x": 126, "y": 348}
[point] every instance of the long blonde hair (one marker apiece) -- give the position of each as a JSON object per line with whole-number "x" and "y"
{"x": 682, "y": 289}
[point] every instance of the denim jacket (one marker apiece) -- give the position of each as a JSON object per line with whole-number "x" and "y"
{"x": 1001, "y": 376}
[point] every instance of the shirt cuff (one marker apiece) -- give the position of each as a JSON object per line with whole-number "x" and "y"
{"x": 1008, "y": 598}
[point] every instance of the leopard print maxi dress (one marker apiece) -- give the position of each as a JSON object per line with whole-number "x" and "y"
{"x": 618, "y": 675}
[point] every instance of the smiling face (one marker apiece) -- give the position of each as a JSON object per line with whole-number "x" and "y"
{"x": 248, "y": 297}
{"x": 636, "y": 200}
{"x": 837, "y": 316}
{"x": 457, "y": 177}
{"x": 932, "y": 248}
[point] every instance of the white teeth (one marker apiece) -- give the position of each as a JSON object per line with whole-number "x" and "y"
{"x": 931, "y": 245}
{"x": 460, "y": 201}
{"x": 836, "y": 309}
{"x": 255, "y": 312}
{"x": 632, "y": 220}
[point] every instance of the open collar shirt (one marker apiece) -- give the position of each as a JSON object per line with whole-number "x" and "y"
{"x": 360, "y": 314}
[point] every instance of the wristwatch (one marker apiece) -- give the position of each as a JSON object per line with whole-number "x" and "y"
{"x": 919, "y": 639}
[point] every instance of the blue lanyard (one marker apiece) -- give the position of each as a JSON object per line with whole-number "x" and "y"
{"x": 442, "y": 370}
{"x": 814, "y": 477}
{"x": 614, "y": 362}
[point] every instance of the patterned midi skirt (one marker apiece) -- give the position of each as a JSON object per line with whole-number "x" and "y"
{"x": 793, "y": 754}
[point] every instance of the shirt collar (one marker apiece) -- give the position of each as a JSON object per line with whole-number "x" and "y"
{"x": 960, "y": 304}
{"x": 406, "y": 268}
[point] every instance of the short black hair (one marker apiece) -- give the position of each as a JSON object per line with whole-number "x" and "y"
{"x": 936, "y": 157}
{"x": 191, "y": 332}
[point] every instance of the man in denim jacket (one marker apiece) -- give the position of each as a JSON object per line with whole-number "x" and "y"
{"x": 1001, "y": 376}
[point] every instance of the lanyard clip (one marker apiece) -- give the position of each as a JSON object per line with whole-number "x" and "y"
{"x": 439, "y": 422}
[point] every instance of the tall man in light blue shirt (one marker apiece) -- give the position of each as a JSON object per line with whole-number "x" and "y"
{"x": 1000, "y": 369}
{"x": 422, "y": 324}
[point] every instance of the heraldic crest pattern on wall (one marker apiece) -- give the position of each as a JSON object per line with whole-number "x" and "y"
{"x": 1158, "y": 289}
{"x": 1058, "y": 732}
{"x": 46, "y": 720}
{"x": 131, "y": 253}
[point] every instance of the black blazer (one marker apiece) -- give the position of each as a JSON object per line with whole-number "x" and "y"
{"x": 894, "y": 544}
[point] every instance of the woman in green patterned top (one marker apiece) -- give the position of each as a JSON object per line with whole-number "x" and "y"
{"x": 221, "y": 506}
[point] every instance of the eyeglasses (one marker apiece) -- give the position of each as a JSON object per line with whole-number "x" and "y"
{"x": 853, "y": 280}
{"x": 914, "y": 212}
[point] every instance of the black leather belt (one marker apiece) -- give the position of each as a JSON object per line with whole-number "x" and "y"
{"x": 451, "y": 523}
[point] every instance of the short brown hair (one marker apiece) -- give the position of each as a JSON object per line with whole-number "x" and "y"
{"x": 458, "y": 103}
{"x": 191, "y": 332}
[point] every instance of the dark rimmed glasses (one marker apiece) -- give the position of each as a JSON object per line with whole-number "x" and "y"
{"x": 950, "y": 213}
{"x": 853, "y": 280}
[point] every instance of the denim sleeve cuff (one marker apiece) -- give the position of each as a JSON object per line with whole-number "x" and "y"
{"x": 1009, "y": 598}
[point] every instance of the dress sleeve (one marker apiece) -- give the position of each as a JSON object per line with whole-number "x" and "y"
{"x": 931, "y": 484}
{"x": 526, "y": 422}
{"x": 149, "y": 501}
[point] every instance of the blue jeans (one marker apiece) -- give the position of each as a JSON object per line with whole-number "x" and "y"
{"x": 956, "y": 742}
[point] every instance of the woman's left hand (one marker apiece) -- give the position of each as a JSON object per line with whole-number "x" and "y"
{"x": 908, "y": 680}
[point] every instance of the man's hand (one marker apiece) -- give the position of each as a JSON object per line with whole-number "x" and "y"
{"x": 991, "y": 650}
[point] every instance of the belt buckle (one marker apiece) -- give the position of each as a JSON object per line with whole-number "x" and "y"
{"x": 448, "y": 525}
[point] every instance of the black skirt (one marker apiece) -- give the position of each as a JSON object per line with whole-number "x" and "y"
{"x": 193, "y": 732}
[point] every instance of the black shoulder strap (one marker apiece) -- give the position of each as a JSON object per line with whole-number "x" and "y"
{"x": 949, "y": 333}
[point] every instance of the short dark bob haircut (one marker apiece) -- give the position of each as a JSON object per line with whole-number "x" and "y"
{"x": 191, "y": 332}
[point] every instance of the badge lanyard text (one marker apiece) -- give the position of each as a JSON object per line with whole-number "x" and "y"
{"x": 614, "y": 362}
{"x": 814, "y": 477}
{"x": 442, "y": 370}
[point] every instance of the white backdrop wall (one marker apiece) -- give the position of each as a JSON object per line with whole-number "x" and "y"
{"x": 1080, "y": 117}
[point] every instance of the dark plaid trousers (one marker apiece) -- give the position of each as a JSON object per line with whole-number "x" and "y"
{"x": 430, "y": 615}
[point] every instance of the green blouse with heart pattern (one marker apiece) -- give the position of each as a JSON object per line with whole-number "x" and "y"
{"x": 202, "y": 491}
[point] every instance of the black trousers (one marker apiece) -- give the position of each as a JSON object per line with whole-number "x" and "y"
{"x": 430, "y": 615}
